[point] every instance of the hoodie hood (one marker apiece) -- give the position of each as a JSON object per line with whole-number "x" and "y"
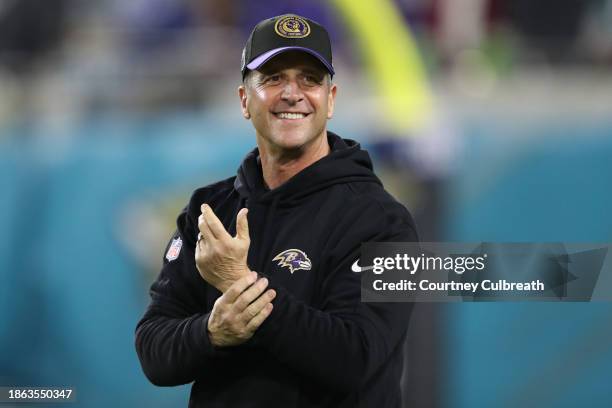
{"x": 346, "y": 163}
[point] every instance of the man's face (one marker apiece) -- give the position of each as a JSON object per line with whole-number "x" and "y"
{"x": 289, "y": 99}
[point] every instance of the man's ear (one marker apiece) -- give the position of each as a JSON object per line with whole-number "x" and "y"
{"x": 242, "y": 93}
{"x": 331, "y": 100}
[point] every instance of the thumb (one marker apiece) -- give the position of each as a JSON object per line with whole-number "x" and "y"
{"x": 242, "y": 224}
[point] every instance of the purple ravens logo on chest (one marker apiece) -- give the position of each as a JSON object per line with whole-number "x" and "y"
{"x": 293, "y": 259}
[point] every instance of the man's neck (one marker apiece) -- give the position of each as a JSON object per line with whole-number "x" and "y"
{"x": 278, "y": 166}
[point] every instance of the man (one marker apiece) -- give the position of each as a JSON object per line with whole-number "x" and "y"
{"x": 298, "y": 335}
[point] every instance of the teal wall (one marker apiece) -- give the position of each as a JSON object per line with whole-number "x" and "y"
{"x": 537, "y": 183}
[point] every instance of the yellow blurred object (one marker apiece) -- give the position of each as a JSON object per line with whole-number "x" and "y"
{"x": 393, "y": 62}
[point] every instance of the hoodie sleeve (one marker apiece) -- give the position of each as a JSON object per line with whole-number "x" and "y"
{"x": 344, "y": 342}
{"x": 171, "y": 339}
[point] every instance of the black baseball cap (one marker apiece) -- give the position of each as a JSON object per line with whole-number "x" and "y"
{"x": 285, "y": 33}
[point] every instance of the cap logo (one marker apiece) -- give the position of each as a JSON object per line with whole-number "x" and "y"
{"x": 292, "y": 27}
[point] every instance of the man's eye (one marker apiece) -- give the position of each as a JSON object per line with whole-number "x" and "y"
{"x": 312, "y": 79}
{"x": 273, "y": 78}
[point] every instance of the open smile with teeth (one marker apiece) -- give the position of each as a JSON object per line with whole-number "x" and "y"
{"x": 290, "y": 115}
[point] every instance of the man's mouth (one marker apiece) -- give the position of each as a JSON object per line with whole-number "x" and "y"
{"x": 290, "y": 115}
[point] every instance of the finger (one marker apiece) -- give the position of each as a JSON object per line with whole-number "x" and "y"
{"x": 238, "y": 287}
{"x": 255, "y": 307}
{"x": 198, "y": 249}
{"x": 200, "y": 246}
{"x": 249, "y": 295}
{"x": 214, "y": 224}
{"x": 242, "y": 224}
{"x": 263, "y": 314}
{"x": 205, "y": 229}
{"x": 199, "y": 240}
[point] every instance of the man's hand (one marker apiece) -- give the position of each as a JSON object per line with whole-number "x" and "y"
{"x": 240, "y": 311}
{"x": 220, "y": 258}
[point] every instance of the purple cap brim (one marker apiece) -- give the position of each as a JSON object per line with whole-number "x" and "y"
{"x": 266, "y": 56}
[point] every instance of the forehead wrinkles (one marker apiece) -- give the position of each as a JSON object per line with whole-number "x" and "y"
{"x": 256, "y": 79}
{"x": 296, "y": 69}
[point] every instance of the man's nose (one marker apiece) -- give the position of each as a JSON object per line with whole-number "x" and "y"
{"x": 292, "y": 92}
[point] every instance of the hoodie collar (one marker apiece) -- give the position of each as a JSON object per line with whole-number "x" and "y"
{"x": 346, "y": 162}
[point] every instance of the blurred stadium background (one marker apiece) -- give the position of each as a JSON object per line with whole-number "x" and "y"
{"x": 490, "y": 119}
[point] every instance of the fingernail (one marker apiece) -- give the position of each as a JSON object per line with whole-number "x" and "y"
{"x": 272, "y": 294}
{"x": 265, "y": 281}
{"x": 253, "y": 276}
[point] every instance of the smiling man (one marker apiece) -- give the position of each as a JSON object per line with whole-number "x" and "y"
{"x": 295, "y": 332}
{"x": 289, "y": 100}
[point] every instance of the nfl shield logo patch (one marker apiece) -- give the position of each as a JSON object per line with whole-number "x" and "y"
{"x": 175, "y": 249}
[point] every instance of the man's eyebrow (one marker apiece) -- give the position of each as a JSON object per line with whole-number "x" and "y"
{"x": 313, "y": 71}
{"x": 263, "y": 75}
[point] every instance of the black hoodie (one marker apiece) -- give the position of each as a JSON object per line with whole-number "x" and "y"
{"x": 321, "y": 346}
